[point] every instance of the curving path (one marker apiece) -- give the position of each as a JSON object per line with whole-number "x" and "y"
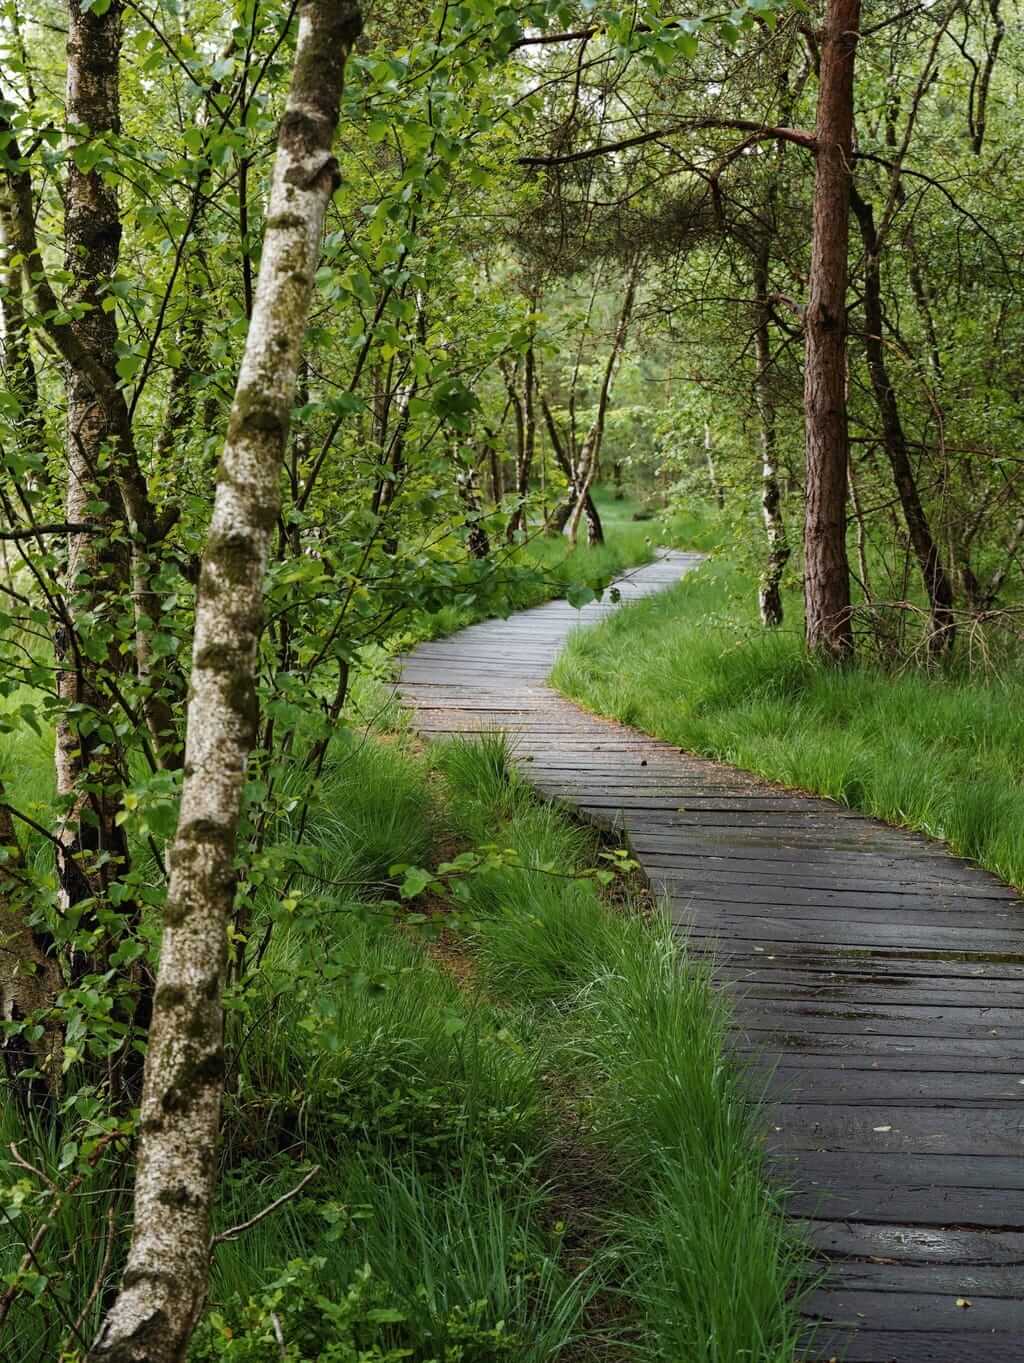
{"x": 877, "y": 982}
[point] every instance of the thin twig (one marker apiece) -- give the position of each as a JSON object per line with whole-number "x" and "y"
{"x": 236, "y": 1231}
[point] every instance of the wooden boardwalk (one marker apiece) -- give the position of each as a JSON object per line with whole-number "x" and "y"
{"x": 877, "y": 983}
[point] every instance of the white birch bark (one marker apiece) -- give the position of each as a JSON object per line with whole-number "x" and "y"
{"x": 164, "y": 1284}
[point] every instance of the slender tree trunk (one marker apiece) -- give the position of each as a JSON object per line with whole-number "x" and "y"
{"x": 937, "y": 583}
{"x": 988, "y": 598}
{"x": 516, "y": 403}
{"x": 30, "y": 981}
{"x": 829, "y": 626}
{"x": 526, "y": 440}
{"x": 165, "y": 1277}
{"x": 590, "y": 453}
{"x": 98, "y": 416}
{"x": 93, "y": 849}
{"x": 709, "y": 458}
{"x": 18, "y": 367}
{"x": 862, "y": 536}
{"x": 559, "y": 517}
{"x": 494, "y": 466}
{"x": 769, "y": 593}
{"x": 980, "y": 118}
{"x": 477, "y": 540}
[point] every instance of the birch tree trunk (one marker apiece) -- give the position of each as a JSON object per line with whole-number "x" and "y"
{"x": 165, "y": 1277}
{"x": 590, "y": 453}
{"x": 829, "y": 629}
{"x": 557, "y": 520}
{"x": 769, "y": 596}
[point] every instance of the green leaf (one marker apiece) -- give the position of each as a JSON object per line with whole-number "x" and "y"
{"x": 415, "y": 882}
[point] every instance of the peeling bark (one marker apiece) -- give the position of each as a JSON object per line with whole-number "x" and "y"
{"x": 829, "y": 630}
{"x": 164, "y": 1284}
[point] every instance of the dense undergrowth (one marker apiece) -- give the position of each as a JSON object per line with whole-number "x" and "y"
{"x": 941, "y": 752}
{"x": 529, "y": 1144}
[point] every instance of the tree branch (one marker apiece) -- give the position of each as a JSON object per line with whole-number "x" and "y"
{"x": 798, "y": 136}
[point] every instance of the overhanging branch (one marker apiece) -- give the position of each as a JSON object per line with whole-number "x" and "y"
{"x": 758, "y": 132}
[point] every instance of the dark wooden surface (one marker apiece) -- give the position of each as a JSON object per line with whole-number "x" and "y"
{"x": 877, "y": 986}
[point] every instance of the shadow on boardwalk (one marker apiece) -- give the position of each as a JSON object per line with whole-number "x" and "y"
{"x": 877, "y": 985}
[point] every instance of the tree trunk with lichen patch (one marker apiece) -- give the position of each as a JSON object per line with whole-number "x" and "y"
{"x": 164, "y": 1285}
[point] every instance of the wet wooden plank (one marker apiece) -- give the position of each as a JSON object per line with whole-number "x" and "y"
{"x": 889, "y": 1128}
{"x": 903, "y": 1243}
{"x": 829, "y": 1085}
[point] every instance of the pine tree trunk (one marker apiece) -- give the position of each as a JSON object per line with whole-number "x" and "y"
{"x": 829, "y": 629}
{"x": 164, "y": 1284}
{"x": 937, "y": 583}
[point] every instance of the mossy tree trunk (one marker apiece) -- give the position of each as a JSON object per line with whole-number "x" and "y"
{"x": 17, "y": 367}
{"x": 93, "y": 849}
{"x": 164, "y": 1284}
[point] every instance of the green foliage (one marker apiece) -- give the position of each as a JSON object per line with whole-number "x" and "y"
{"x": 302, "y": 1317}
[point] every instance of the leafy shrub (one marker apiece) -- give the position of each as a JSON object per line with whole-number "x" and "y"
{"x": 301, "y": 1318}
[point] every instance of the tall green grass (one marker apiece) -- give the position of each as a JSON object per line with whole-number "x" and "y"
{"x": 703, "y": 1262}
{"x": 442, "y": 1109}
{"x": 943, "y": 754}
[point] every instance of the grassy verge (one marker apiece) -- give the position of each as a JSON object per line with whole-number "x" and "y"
{"x": 529, "y": 1145}
{"x": 941, "y": 754}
